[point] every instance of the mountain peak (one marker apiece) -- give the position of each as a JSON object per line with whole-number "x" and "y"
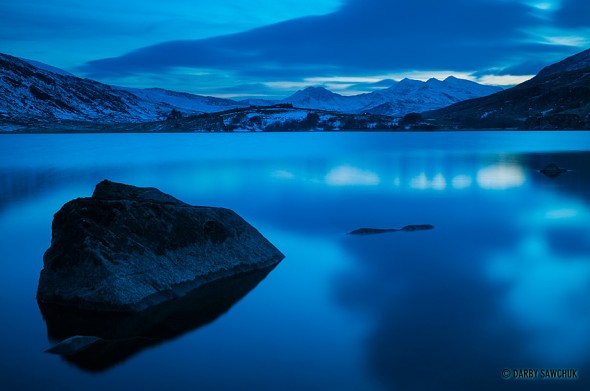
{"x": 385, "y": 83}
{"x": 314, "y": 92}
{"x": 406, "y": 80}
{"x": 317, "y": 90}
{"x": 406, "y": 84}
{"x": 434, "y": 81}
{"x": 452, "y": 80}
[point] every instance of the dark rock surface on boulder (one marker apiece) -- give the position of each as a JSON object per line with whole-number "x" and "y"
{"x": 127, "y": 248}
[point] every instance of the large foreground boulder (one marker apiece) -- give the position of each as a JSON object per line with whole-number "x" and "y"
{"x": 127, "y": 248}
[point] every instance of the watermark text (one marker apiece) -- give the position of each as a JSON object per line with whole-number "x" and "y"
{"x": 540, "y": 374}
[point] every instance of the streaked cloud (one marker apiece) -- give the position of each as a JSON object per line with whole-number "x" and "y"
{"x": 348, "y": 45}
{"x": 503, "y": 80}
{"x": 567, "y": 40}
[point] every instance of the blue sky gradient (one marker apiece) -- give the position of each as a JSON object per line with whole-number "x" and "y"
{"x": 267, "y": 48}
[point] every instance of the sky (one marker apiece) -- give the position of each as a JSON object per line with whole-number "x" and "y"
{"x": 269, "y": 48}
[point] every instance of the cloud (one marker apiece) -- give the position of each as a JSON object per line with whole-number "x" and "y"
{"x": 66, "y": 33}
{"x": 365, "y": 38}
{"x": 32, "y": 18}
{"x": 574, "y": 13}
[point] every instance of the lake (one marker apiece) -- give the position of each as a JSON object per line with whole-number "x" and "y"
{"x": 501, "y": 283}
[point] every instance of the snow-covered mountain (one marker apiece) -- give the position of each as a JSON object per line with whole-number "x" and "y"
{"x": 320, "y": 98}
{"x": 414, "y": 96}
{"x": 42, "y": 93}
{"x": 403, "y": 97}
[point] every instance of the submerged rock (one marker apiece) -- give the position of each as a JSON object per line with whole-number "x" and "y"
{"x": 553, "y": 170}
{"x": 407, "y": 228}
{"x": 127, "y": 248}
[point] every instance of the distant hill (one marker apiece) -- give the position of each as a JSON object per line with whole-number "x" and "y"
{"x": 320, "y": 98}
{"x": 277, "y": 118}
{"x": 557, "y": 98}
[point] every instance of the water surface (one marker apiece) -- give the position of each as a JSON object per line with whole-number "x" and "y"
{"x": 501, "y": 282}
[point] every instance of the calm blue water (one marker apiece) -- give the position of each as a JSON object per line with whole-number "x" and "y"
{"x": 501, "y": 282}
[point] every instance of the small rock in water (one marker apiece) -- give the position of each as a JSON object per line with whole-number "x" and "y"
{"x": 407, "y": 228}
{"x": 127, "y": 248}
{"x": 552, "y": 170}
{"x": 417, "y": 227}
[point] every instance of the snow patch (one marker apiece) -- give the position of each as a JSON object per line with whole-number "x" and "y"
{"x": 487, "y": 114}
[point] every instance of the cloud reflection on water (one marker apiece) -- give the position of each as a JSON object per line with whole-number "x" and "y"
{"x": 489, "y": 177}
{"x": 500, "y": 282}
{"x": 351, "y": 176}
{"x": 547, "y": 277}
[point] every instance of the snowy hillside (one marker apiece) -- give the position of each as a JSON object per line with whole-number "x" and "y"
{"x": 29, "y": 93}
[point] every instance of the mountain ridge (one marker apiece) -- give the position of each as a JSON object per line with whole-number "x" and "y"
{"x": 31, "y": 92}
